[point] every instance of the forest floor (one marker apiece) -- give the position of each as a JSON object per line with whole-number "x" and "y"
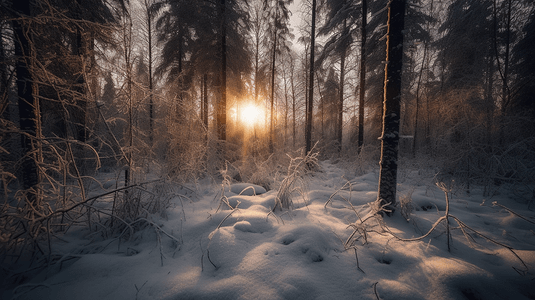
{"x": 202, "y": 249}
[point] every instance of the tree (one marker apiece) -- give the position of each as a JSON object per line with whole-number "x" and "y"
{"x": 148, "y": 27}
{"x": 310, "y": 102}
{"x": 463, "y": 46}
{"x": 259, "y": 37}
{"x": 362, "y": 90}
{"x": 392, "y": 98}
{"x": 222, "y": 106}
{"x": 523, "y": 62}
{"x": 279, "y": 28}
{"x": 425, "y": 64}
{"x": 29, "y": 113}
{"x": 340, "y": 14}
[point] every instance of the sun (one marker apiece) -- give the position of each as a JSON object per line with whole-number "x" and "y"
{"x": 251, "y": 115}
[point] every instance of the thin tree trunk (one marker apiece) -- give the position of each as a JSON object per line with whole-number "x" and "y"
{"x": 205, "y": 104}
{"x": 151, "y": 99}
{"x": 79, "y": 110}
{"x": 504, "y": 73}
{"x": 273, "y": 56}
{"x": 322, "y": 105}
{"x": 363, "y": 33}
{"x": 285, "y": 106}
{"x": 340, "y": 118}
{"x": 180, "y": 104}
{"x": 505, "y": 88}
{"x": 392, "y": 99}
{"x": 293, "y": 103}
{"x": 489, "y": 97}
{"x": 127, "y": 55}
{"x": 416, "y": 117}
{"x": 222, "y": 107}
{"x": 306, "y": 87}
{"x": 308, "y": 129}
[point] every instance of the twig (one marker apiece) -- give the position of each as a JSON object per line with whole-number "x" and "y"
{"x": 357, "y": 257}
{"x": 495, "y": 203}
{"x": 336, "y": 192}
{"x": 139, "y": 289}
{"x": 45, "y": 217}
{"x": 495, "y": 242}
{"x": 375, "y": 290}
{"x": 442, "y": 186}
{"x": 210, "y": 260}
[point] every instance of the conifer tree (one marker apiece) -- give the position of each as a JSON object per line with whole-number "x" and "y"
{"x": 391, "y": 103}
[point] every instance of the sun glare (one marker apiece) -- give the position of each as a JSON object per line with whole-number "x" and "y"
{"x": 251, "y": 115}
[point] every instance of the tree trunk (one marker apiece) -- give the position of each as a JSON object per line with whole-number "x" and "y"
{"x": 273, "y": 56}
{"x": 340, "y": 118}
{"x": 79, "y": 110}
{"x": 285, "y": 106}
{"x": 417, "y": 104}
{"x": 222, "y": 107}
{"x": 127, "y": 39}
{"x": 322, "y": 106}
{"x": 4, "y": 90}
{"x": 151, "y": 98}
{"x": 363, "y": 33}
{"x": 205, "y": 104}
{"x": 505, "y": 88}
{"x": 392, "y": 99}
{"x": 180, "y": 104}
{"x": 293, "y": 101}
{"x": 308, "y": 129}
{"x": 28, "y": 105}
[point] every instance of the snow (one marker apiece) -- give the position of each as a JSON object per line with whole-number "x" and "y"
{"x": 251, "y": 252}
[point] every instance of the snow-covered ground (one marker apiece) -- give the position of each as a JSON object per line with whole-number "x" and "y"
{"x": 301, "y": 253}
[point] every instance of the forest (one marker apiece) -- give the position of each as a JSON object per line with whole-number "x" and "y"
{"x": 175, "y": 132}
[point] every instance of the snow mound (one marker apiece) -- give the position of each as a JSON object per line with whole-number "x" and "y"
{"x": 247, "y": 189}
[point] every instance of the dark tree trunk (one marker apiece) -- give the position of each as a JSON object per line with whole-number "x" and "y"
{"x": 340, "y": 107}
{"x": 363, "y": 33}
{"x": 273, "y": 56}
{"x": 285, "y": 107}
{"x": 81, "y": 107}
{"x": 222, "y": 107}
{"x": 180, "y": 105}
{"x": 79, "y": 110}
{"x": 4, "y": 85}
{"x": 151, "y": 87}
{"x": 391, "y": 105}
{"x": 205, "y": 103}
{"x": 417, "y": 104}
{"x": 28, "y": 104}
{"x": 293, "y": 107}
{"x": 310, "y": 102}
{"x": 127, "y": 39}
{"x": 426, "y": 61}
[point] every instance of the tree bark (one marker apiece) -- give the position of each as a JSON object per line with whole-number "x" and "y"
{"x": 222, "y": 107}
{"x": 340, "y": 117}
{"x": 205, "y": 103}
{"x": 28, "y": 104}
{"x": 308, "y": 129}
{"x": 151, "y": 99}
{"x": 391, "y": 104}
{"x": 273, "y": 56}
{"x": 363, "y": 33}
{"x": 293, "y": 103}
